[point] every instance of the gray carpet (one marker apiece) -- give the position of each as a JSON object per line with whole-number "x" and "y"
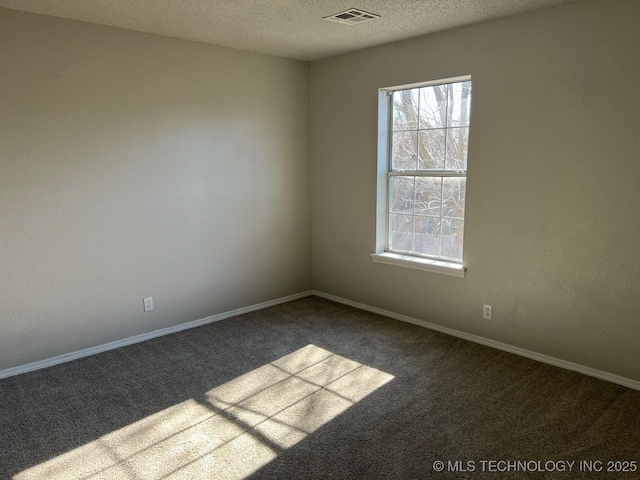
{"x": 312, "y": 389}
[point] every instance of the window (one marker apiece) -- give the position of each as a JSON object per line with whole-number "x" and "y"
{"x": 422, "y": 174}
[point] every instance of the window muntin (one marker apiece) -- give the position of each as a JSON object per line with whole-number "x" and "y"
{"x": 427, "y": 168}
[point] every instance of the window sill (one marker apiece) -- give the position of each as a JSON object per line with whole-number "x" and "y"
{"x": 426, "y": 264}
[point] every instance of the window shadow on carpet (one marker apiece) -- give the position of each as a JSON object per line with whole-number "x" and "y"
{"x": 232, "y": 430}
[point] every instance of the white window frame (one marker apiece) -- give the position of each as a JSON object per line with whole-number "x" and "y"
{"x": 382, "y": 255}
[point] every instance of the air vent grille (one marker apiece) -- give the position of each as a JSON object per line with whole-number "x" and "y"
{"x": 352, "y": 16}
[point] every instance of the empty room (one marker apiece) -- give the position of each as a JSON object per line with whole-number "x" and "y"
{"x": 319, "y": 240}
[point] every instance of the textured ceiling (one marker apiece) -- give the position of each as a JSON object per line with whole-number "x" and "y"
{"x": 287, "y": 28}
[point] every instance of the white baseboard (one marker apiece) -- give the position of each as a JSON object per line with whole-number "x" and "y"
{"x": 67, "y": 357}
{"x": 627, "y": 382}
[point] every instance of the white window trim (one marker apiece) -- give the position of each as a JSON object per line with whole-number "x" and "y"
{"x": 381, "y": 255}
{"x": 420, "y": 263}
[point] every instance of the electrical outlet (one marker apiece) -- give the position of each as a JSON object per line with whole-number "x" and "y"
{"x": 487, "y": 312}
{"x": 148, "y": 304}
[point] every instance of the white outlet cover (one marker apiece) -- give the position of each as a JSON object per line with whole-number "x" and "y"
{"x": 148, "y": 304}
{"x": 487, "y": 312}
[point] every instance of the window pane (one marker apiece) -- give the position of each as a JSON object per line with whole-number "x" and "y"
{"x": 427, "y": 238}
{"x": 404, "y": 151}
{"x": 453, "y": 197}
{"x": 457, "y": 143}
{"x": 433, "y": 106}
{"x": 431, "y": 150}
{"x": 401, "y": 194}
{"x": 459, "y": 104}
{"x": 405, "y": 109}
{"x": 428, "y": 196}
{"x": 429, "y": 136}
{"x": 452, "y": 236}
{"x": 400, "y": 232}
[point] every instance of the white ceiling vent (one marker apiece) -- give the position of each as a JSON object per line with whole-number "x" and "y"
{"x": 352, "y": 16}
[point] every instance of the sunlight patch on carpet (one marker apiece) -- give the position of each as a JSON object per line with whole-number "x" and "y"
{"x": 243, "y": 425}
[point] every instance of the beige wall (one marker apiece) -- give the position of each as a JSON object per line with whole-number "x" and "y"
{"x": 552, "y": 232}
{"x": 134, "y": 165}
